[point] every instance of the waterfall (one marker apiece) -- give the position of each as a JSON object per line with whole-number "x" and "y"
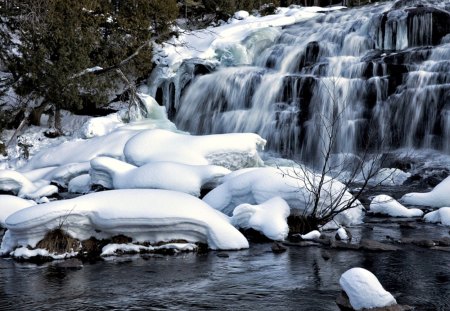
{"x": 379, "y": 73}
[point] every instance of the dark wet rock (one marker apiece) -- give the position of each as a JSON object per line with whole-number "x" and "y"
{"x": 278, "y": 248}
{"x": 343, "y": 303}
{"x": 445, "y": 241}
{"x": 407, "y": 225}
{"x": 121, "y": 239}
{"x": 424, "y": 243}
{"x": 70, "y": 264}
{"x": 223, "y": 255}
{"x": 371, "y": 245}
{"x": 343, "y": 245}
{"x": 303, "y": 243}
{"x": 326, "y": 255}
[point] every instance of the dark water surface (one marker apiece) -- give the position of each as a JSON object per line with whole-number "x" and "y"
{"x": 254, "y": 279}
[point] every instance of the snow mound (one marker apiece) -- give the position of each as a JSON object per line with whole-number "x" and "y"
{"x": 261, "y": 184}
{"x": 80, "y": 184}
{"x": 438, "y": 197}
{"x": 10, "y": 204}
{"x": 442, "y": 216}
{"x": 315, "y": 234}
{"x": 240, "y": 15}
{"x": 386, "y": 205}
{"x": 144, "y": 215}
{"x": 115, "y": 174}
{"x": 389, "y": 177}
{"x": 364, "y": 290}
{"x": 233, "y": 151}
{"x": 100, "y": 126}
{"x": 18, "y": 184}
{"x": 269, "y": 218}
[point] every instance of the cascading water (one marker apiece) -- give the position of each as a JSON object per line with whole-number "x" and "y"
{"x": 380, "y": 71}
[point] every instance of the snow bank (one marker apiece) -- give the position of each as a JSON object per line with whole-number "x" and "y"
{"x": 10, "y": 204}
{"x": 438, "y": 197}
{"x": 233, "y": 151}
{"x": 115, "y": 174}
{"x": 269, "y": 218}
{"x": 364, "y": 290}
{"x": 442, "y": 216}
{"x": 144, "y": 215}
{"x": 261, "y": 184}
{"x": 111, "y": 144}
{"x": 386, "y": 205}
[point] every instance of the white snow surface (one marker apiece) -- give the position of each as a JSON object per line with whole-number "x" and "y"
{"x": 233, "y": 151}
{"x": 389, "y": 177}
{"x": 10, "y": 204}
{"x": 16, "y": 183}
{"x": 269, "y": 218}
{"x": 438, "y": 197}
{"x": 386, "y": 205}
{"x": 442, "y": 216}
{"x": 115, "y": 174}
{"x": 364, "y": 290}
{"x": 144, "y": 215}
{"x": 259, "y": 185}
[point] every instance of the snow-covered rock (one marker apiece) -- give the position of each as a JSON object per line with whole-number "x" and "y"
{"x": 16, "y": 183}
{"x": 389, "y": 177}
{"x": 100, "y": 126}
{"x": 10, "y": 204}
{"x": 144, "y": 215}
{"x": 364, "y": 290}
{"x": 240, "y": 15}
{"x": 438, "y": 197}
{"x": 341, "y": 234}
{"x": 80, "y": 184}
{"x": 259, "y": 185}
{"x": 442, "y": 216}
{"x": 114, "y": 249}
{"x": 115, "y": 174}
{"x": 65, "y": 173}
{"x": 386, "y": 205}
{"x": 233, "y": 151}
{"x": 312, "y": 235}
{"x": 269, "y": 218}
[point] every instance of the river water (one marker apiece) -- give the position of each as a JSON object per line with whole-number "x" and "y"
{"x": 299, "y": 279}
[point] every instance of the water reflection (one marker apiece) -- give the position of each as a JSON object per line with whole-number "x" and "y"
{"x": 300, "y": 279}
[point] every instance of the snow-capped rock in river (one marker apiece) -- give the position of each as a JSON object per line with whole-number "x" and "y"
{"x": 442, "y": 216}
{"x": 364, "y": 290}
{"x": 10, "y": 204}
{"x": 18, "y": 184}
{"x": 269, "y": 218}
{"x": 233, "y": 151}
{"x": 438, "y": 197}
{"x": 256, "y": 186}
{"x": 143, "y": 215}
{"x": 115, "y": 174}
{"x": 386, "y": 205}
